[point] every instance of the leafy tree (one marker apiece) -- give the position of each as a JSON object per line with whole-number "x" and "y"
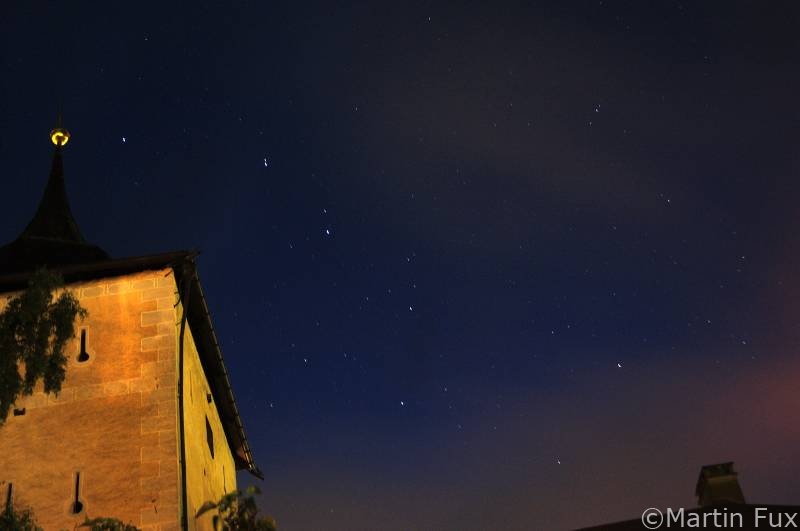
{"x": 34, "y": 328}
{"x": 237, "y": 511}
{"x": 108, "y": 524}
{"x": 21, "y": 520}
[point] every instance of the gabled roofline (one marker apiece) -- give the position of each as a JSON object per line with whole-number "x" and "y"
{"x": 205, "y": 337}
{"x": 200, "y": 324}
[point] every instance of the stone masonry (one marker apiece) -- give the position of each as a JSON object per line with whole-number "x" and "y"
{"x": 114, "y": 423}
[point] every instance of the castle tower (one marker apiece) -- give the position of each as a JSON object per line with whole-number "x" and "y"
{"x": 145, "y": 428}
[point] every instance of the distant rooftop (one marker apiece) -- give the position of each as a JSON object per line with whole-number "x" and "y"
{"x": 721, "y": 504}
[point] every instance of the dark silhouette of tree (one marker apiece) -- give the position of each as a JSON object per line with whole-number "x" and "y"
{"x": 108, "y": 524}
{"x": 34, "y": 328}
{"x": 21, "y": 520}
{"x": 237, "y": 511}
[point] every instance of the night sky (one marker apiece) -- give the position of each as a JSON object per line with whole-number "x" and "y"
{"x": 472, "y": 267}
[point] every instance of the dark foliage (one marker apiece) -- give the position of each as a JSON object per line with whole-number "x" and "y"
{"x": 34, "y": 328}
{"x": 237, "y": 511}
{"x": 18, "y": 520}
{"x": 108, "y": 524}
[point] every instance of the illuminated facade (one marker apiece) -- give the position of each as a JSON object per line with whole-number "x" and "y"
{"x": 145, "y": 428}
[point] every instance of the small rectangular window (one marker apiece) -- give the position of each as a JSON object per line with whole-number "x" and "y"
{"x": 210, "y": 438}
{"x": 77, "y": 504}
{"x": 83, "y": 355}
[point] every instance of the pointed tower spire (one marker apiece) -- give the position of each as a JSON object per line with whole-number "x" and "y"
{"x": 52, "y": 237}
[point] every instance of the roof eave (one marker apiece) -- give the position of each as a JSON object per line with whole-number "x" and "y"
{"x": 211, "y": 357}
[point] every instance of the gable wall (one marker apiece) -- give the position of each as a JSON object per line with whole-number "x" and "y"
{"x": 115, "y": 419}
{"x": 208, "y": 477}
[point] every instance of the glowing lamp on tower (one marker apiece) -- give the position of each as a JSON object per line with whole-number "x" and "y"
{"x": 59, "y": 136}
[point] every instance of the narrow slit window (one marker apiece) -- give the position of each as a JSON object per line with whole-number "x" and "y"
{"x": 210, "y": 438}
{"x": 77, "y": 504}
{"x": 9, "y": 496}
{"x": 83, "y": 355}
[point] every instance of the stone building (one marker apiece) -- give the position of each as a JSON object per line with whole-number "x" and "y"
{"x": 145, "y": 428}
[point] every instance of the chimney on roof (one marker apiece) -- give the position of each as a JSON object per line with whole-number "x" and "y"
{"x": 718, "y": 485}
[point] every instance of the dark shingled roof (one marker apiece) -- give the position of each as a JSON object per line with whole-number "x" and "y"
{"x": 53, "y": 239}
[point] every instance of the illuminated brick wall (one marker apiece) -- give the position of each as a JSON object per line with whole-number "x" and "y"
{"x": 112, "y": 430}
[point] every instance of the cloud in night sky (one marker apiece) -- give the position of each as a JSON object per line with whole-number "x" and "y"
{"x": 622, "y": 447}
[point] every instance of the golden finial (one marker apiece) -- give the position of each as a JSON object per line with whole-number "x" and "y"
{"x": 59, "y": 136}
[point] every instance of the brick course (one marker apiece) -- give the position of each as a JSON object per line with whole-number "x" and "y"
{"x": 114, "y": 420}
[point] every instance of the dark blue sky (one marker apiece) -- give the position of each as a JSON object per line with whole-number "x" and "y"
{"x": 522, "y": 266}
